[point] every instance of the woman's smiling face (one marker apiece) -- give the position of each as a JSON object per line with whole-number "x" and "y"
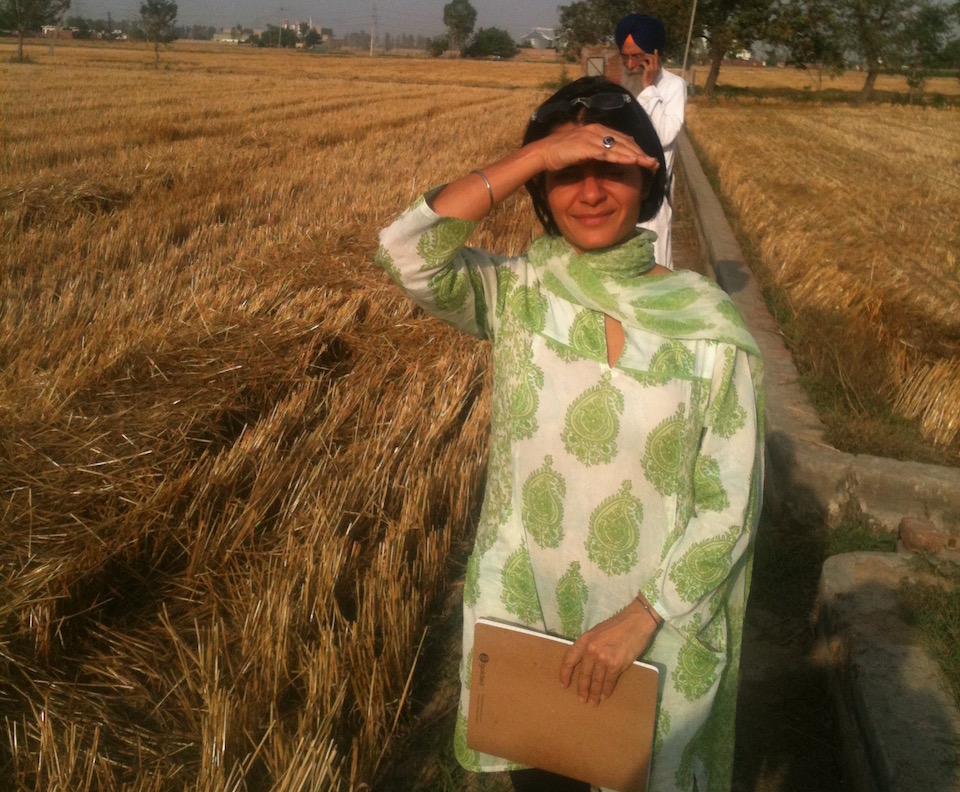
{"x": 595, "y": 204}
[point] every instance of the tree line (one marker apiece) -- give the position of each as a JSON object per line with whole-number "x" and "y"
{"x": 304, "y": 35}
{"x": 89, "y": 28}
{"x": 911, "y": 37}
{"x": 157, "y": 24}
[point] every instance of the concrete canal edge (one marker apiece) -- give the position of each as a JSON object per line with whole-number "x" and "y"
{"x": 898, "y": 724}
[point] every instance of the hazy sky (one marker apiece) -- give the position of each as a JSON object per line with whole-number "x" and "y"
{"x": 344, "y": 16}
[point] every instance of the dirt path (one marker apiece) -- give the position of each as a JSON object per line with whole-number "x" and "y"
{"x": 785, "y": 740}
{"x": 785, "y": 732}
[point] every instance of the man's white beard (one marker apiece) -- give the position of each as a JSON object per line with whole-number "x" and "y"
{"x": 632, "y": 82}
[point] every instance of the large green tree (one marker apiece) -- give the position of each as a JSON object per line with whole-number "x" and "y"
{"x": 908, "y": 34}
{"x": 925, "y": 43}
{"x": 26, "y": 16}
{"x": 276, "y": 36}
{"x": 809, "y": 31}
{"x": 729, "y": 25}
{"x": 492, "y": 41}
{"x": 437, "y": 46}
{"x": 874, "y": 29}
{"x": 459, "y": 17}
{"x": 157, "y": 18}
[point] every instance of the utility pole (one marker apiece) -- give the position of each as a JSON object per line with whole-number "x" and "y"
{"x": 56, "y": 35}
{"x": 686, "y": 50}
{"x": 373, "y": 28}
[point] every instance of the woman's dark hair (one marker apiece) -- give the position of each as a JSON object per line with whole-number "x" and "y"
{"x": 629, "y": 118}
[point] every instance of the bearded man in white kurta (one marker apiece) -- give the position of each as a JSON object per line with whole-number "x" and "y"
{"x": 663, "y": 96}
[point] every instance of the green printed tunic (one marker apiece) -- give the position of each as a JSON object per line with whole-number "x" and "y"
{"x": 603, "y": 481}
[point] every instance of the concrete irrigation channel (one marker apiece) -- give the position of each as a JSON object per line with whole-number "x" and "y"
{"x": 884, "y": 719}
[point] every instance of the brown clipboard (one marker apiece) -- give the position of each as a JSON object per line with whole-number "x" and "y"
{"x": 519, "y": 711}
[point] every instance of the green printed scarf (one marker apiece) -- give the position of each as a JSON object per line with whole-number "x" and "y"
{"x": 616, "y": 281}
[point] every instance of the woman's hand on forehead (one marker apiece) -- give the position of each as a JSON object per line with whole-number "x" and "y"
{"x": 571, "y": 144}
{"x": 471, "y": 197}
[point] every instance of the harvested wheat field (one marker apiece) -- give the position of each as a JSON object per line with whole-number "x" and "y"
{"x": 822, "y": 83}
{"x": 854, "y": 216}
{"x": 235, "y": 460}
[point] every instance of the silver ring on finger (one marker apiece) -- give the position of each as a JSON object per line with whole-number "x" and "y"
{"x": 608, "y": 142}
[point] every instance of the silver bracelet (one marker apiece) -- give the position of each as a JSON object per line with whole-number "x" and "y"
{"x": 648, "y": 609}
{"x": 486, "y": 181}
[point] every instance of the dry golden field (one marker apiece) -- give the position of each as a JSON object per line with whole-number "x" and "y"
{"x": 234, "y": 461}
{"x": 849, "y": 82}
{"x": 855, "y": 215}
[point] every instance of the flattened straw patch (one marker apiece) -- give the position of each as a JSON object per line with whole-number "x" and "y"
{"x": 933, "y": 395}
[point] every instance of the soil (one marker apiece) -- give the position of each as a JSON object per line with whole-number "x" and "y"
{"x": 785, "y": 731}
{"x": 785, "y": 739}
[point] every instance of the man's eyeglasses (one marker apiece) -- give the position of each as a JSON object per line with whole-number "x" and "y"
{"x": 604, "y": 102}
{"x": 630, "y": 58}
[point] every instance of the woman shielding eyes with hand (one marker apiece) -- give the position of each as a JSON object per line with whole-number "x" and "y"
{"x": 625, "y": 465}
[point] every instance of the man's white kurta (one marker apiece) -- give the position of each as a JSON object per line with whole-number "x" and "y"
{"x": 664, "y": 103}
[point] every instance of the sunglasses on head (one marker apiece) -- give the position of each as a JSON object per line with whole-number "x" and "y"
{"x": 604, "y": 102}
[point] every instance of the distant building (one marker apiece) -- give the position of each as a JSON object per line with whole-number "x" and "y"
{"x": 52, "y": 31}
{"x": 540, "y": 38}
{"x": 301, "y": 29}
{"x": 744, "y": 58}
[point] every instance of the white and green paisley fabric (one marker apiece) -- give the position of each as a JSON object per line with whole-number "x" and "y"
{"x": 603, "y": 481}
